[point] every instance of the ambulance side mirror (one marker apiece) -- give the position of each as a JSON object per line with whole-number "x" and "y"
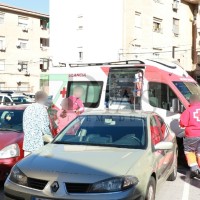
{"x": 175, "y": 105}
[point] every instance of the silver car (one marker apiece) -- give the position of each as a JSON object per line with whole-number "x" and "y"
{"x": 99, "y": 156}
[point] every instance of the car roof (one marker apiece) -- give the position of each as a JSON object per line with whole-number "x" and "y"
{"x": 14, "y": 107}
{"x": 138, "y": 113}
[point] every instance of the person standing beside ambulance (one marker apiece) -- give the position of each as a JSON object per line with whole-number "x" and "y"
{"x": 190, "y": 120}
{"x": 78, "y": 106}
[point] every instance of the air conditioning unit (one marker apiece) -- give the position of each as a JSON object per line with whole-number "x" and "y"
{"x": 18, "y": 46}
{"x": 175, "y": 5}
{"x": 25, "y": 29}
{"x": 3, "y": 49}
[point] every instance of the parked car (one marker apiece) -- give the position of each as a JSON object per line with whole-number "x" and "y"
{"x": 14, "y": 99}
{"x": 11, "y": 138}
{"x": 99, "y": 156}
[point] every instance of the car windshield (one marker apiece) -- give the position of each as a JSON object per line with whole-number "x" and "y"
{"x": 187, "y": 88}
{"x": 108, "y": 131}
{"x": 11, "y": 120}
{"x": 20, "y": 100}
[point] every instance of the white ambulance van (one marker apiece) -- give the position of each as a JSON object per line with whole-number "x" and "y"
{"x": 150, "y": 85}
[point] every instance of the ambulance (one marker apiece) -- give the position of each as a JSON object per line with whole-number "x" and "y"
{"x": 151, "y": 85}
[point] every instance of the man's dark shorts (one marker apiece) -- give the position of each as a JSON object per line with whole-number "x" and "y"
{"x": 192, "y": 145}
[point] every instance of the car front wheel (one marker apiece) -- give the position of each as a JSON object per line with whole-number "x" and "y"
{"x": 151, "y": 189}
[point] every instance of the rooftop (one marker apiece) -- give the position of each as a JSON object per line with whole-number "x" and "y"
{"x": 5, "y": 8}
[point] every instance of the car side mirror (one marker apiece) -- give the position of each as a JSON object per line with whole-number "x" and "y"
{"x": 164, "y": 146}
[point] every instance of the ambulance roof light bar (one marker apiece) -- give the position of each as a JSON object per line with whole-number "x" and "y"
{"x": 126, "y": 62}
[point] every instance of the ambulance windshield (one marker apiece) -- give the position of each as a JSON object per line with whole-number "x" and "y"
{"x": 187, "y": 88}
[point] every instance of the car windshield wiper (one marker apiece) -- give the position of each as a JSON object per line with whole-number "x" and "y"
{"x": 10, "y": 129}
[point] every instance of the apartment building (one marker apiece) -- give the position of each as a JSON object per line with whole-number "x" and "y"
{"x": 162, "y": 29}
{"x": 99, "y": 31}
{"x": 24, "y": 49}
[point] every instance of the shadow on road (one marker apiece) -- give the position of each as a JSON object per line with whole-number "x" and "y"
{"x": 194, "y": 181}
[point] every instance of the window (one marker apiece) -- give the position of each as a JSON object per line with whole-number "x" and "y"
{"x": 106, "y": 130}
{"x": 162, "y": 127}
{"x": 80, "y": 55}
{"x": 92, "y": 92}
{"x": 44, "y": 42}
{"x": 157, "y": 25}
{"x": 187, "y": 88}
{"x": 6, "y": 100}
{"x": 11, "y": 119}
{"x": 2, "y": 85}
{"x": 2, "y": 65}
{"x": 22, "y": 21}
{"x": 22, "y": 44}
{"x": 2, "y": 43}
{"x": 155, "y": 133}
{"x": 22, "y": 65}
{"x": 176, "y": 26}
{"x": 1, "y": 18}
{"x": 44, "y": 24}
{"x": 137, "y": 19}
{"x": 161, "y": 95}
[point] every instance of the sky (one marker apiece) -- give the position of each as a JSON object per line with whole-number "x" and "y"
{"x": 34, "y": 5}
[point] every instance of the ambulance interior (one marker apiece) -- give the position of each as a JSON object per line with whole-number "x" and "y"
{"x": 124, "y": 88}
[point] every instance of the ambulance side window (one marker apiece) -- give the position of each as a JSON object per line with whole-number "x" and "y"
{"x": 161, "y": 95}
{"x": 92, "y": 92}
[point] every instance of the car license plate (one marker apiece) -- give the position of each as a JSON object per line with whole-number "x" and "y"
{"x": 38, "y": 198}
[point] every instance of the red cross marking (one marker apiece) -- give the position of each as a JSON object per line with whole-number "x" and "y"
{"x": 63, "y": 92}
{"x": 196, "y": 115}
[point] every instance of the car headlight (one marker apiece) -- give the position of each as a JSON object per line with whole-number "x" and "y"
{"x": 17, "y": 176}
{"x": 114, "y": 184}
{"x": 10, "y": 151}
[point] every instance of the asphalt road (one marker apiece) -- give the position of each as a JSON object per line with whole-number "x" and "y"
{"x": 183, "y": 188}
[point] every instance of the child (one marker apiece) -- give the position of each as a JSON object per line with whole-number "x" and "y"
{"x": 66, "y": 114}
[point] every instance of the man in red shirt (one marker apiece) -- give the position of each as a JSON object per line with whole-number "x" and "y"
{"x": 190, "y": 120}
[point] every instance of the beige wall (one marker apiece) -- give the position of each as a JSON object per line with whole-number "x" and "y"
{"x": 148, "y": 40}
{"x": 32, "y": 54}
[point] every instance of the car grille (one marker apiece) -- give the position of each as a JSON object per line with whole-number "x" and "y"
{"x": 37, "y": 183}
{"x": 77, "y": 187}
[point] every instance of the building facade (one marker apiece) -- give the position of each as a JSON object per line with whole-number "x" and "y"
{"x": 112, "y": 30}
{"x": 24, "y": 49}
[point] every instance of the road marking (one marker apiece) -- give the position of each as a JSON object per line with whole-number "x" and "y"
{"x": 186, "y": 189}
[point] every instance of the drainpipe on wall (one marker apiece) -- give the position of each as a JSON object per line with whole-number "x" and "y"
{"x": 194, "y": 35}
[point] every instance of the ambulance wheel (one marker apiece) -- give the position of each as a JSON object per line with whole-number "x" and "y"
{"x": 173, "y": 175}
{"x": 151, "y": 189}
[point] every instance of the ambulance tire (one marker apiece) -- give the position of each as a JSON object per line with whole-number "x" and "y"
{"x": 151, "y": 189}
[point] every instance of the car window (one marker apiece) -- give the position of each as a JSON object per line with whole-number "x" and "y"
{"x": 1, "y": 99}
{"x": 100, "y": 130}
{"x": 162, "y": 127}
{"x": 6, "y": 100}
{"x": 11, "y": 120}
{"x": 155, "y": 131}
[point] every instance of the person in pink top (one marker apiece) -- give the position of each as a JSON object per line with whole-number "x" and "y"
{"x": 78, "y": 106}
{"x": 66, "y": 114}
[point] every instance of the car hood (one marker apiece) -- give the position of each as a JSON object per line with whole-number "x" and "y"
{"x": 9, "y": 137}
{"x": 74, "y": 159}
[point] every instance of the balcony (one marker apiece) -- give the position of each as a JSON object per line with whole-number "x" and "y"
{"x": 193, "y": 1}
